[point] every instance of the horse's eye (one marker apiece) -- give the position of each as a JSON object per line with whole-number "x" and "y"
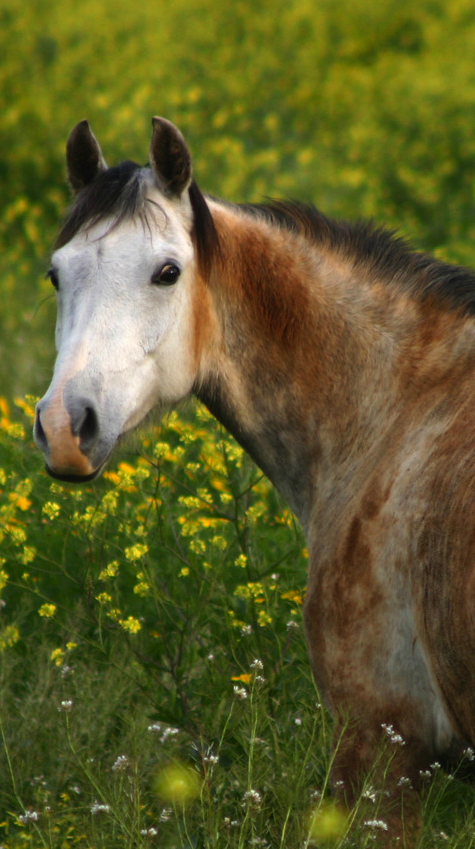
{"x": 53, "y": 276}
{"x": 167, "y": 275}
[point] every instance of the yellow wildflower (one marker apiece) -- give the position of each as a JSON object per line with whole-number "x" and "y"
{"x": 264, "y": 618}
{"x": 110, "y": 571}
{"x": 56, "y": 488}
{"x": 51, "y": 509}
{"x": 15, "y": 430}
{"x": 197, "y": 546}
{"x": 9, "y": 636}
{"x": 47, "y": 610}
{"x": 28, "y": 554}
{"x": 109, "y": 500}
{"x": 131, "y": 625}
{"x": 293, "y": 596}
{"x": 58, "y": 656}
{"x": 142, "y": 587}
{"x": 18, "y": 535}
{"x": 103, "y": 598}
{"x": 219, "y": 542}
{"x": 19, "y": 501}
{"x": 190, "y": 501}
{"x": 27, "y": 404}
{"x": 245, "y": 678}
{"x": 241, "y": 561}
{"x": 135, "y": 552}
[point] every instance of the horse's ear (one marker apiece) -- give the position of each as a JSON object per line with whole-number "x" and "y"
{"x": 83, "y": 156}
{"x": 170, "y": 157}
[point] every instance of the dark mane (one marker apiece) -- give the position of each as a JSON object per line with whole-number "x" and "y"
{"x": 117, "y": 192}
{"x": 380, "y": 252}
{"x": 120, "y": 193}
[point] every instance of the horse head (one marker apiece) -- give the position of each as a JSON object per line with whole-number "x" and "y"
{"x": 126, "y": 276}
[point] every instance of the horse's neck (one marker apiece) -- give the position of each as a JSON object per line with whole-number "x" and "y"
{"x": 299, "y": 371}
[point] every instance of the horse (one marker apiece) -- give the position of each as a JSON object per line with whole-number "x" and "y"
{"x": 343, "y": 361}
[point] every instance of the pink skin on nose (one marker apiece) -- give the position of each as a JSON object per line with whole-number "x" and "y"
{"x": 64, "y": 455}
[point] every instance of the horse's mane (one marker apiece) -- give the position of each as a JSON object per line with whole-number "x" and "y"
{"x": 378, "y": 251}
{"x": 120, "y": 193}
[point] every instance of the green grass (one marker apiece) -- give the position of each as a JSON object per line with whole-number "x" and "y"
{"x": 155, "y": 688}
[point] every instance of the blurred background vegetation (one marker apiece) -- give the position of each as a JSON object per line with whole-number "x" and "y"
{"x": 149, "y": 596}
{"x": 366, "y": 109}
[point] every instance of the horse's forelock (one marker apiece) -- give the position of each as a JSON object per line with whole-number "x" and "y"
{"x": 117, "y": 192}
{"x": 120, "y": 193}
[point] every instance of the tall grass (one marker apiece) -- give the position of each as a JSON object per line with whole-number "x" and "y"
{"x": 154, "y": 682}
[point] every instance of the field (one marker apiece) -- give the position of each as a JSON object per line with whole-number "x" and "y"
{"x": 154, "y": 682}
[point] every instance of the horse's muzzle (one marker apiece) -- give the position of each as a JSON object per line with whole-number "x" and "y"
{"x": 70, "y": 439}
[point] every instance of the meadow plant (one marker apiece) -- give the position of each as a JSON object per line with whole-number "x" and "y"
{"x": 135, "y": 612}
{"x": 154, "y": 683}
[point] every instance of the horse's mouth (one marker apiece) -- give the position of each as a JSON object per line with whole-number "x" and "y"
{"x": 71, "y": 478}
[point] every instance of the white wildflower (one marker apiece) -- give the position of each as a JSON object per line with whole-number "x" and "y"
{"x": 28, "y": 817}
{"x": 66, "y": 706}
{"x": 122, "y": 763}
{"x": 240, "y": 692}
{"x": 392, "y": 734}
{"x": 376, "y": 824}
{"x": 257, "y": 664}
{"x": 99, "y": 808}
{"x": 252, "y": 799}
{"x": 370, "y": 794}
{"x": 169, "y": 733}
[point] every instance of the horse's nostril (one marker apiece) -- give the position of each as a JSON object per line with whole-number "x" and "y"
{"x": 88, "y": 428}
{"x": 84, "y": 423}
{"x": 39, "y": 433}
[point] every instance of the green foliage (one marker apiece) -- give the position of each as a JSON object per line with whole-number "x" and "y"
{"x": 366, "y": 109}
{"x": 133, "y": 612}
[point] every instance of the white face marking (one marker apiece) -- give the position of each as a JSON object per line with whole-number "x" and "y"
{"x": 125, "y": 344}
